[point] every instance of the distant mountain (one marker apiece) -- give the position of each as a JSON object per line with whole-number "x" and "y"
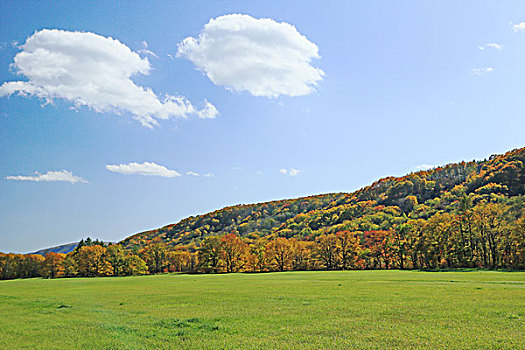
{"x": 65, "y": 248}
{"x": 381, "y": 206}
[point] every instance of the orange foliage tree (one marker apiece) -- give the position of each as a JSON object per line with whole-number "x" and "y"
{"x": 53, "y": 265}
{"x": 233, "y": 252}
{"x": 92, "y": 261}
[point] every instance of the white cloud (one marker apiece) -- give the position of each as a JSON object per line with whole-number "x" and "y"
{"x": 481, "y": 71}
{"x": 210, "y": 174}
{"x": 91, "y": 70}
{"x": 491, "y": 46}
{"x": 261, "y": 56}
{"x": 290, "y": 171}
{"x": 192, "y": 173}
{"x": 520, "y": 27}
{"x": 146, "y": 168}
{"x": 208, "y": 112}
{"x": 423, "y": 167}
{"x": 63, "y": 175}
{"x": 146, "y": 51}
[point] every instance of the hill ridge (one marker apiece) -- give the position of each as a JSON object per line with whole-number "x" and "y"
{"x": 417, "y": 194}
{"x": 62, "y": 248}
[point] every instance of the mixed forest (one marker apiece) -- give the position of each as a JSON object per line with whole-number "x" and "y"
{"x": 463, "y": 215}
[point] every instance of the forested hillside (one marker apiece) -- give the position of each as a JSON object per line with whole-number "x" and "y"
{"x": 381, "y": 206}
{"x": 459, "y": 215}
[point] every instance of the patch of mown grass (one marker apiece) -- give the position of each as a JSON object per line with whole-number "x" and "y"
{"x": 188, "y": 327}
{"x": 306, "y": 310}
{"x": 193, "y": 323}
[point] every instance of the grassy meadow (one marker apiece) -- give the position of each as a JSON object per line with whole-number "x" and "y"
{"x": 299, "y": 310}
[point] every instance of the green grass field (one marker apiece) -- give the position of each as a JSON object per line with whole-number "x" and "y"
{"x": 300, "y": 310}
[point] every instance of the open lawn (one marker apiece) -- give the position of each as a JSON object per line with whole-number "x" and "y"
{"x": 303, "y": 310}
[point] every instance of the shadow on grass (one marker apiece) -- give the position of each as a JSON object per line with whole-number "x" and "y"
{"x": 467, "y": 269}
{"x": 188, "y": 325}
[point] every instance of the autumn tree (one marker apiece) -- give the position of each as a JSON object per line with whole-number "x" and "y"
{"x": 438, "y": 231}
{"x": 518, "y": 244}
{"x": 400, "y": 244}
{"x": 70, "y": 265}
{"x": 9, "y": 264}
{"x": 134, "y": 265}
{"x": 31, "y": 265}
{"x": 375, "y": 249}
{"x": 91, "y": 261}
{"x": 154, "y": 255}
{"x": 181, "y": 261}
{"x": 257, "y": 257}
{"x": 468, "y": 244}
{"x": 416, "y": 241}
{"x": 348, "y": 248}
{"x": 488, "y": 221}
{"x": 327, "y": 251}
{"x": 53, "y": 265}
{"x": 209, "y": 255}
{"x": 301, "y": 254}
{"x": 233, "y": 252}
{"x": 116, "y": 256}
{"x": 279, "y": 252}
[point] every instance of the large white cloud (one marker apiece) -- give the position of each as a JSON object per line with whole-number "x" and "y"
{"x": 261, "y": 56}
{"x": 63, "y": 175}
{"x": 146, "y": 168}
{"x": 95, "y": 71}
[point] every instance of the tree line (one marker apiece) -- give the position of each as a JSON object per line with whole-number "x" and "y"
{"x": 487, "y": 235}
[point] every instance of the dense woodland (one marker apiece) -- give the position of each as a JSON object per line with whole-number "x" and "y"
{"x": 460, "y": 215}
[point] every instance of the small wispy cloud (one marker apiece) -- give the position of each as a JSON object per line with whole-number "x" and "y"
{"x": 421, "y": 167}
{"x": 496, "y": 46}
{"x": 290, "y": 171}
{"x": 146, "y": 169}
{"x": 520, "y": 27}
{"x": 481, "y": 71}
{"x": 208, "y": 112}
{"x": 50, "y": 176}
{"x": 210, "y": 174}
{"x": 192, "y": 173}
{"x": 146, "y": 51}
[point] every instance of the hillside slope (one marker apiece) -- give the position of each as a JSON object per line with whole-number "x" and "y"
{"x": 64, "y": 249}
{"x": 380, "y": 206}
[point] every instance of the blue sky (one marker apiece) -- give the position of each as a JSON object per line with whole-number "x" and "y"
{"x": 357, "y": 91}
